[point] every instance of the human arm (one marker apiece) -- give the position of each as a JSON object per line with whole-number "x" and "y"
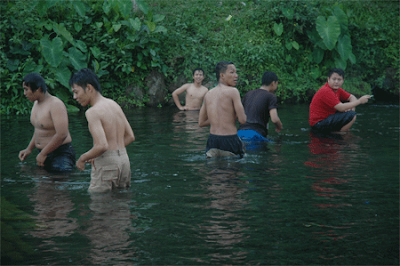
{"x": 59, "y": 117}
{"x": 273, "y": 113}
{"x": 176, "y": 93}
{"x": 343, "y": 107}
{"x": 203, "y": 117}
{"x": 352, "y": 98}
{"x": 100, "y": 144}
{"x": 24, "y": 153}
{"x": 238, "y": 106}
{"x": 129, "y": 136}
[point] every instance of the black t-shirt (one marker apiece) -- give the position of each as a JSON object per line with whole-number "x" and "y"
{"x": 257, "y": 104}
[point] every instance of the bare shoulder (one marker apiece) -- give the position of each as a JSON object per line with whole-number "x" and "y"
{"x": 56, "y": 104}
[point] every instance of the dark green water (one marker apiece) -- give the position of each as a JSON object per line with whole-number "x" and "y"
{"x": 301, "y": 200}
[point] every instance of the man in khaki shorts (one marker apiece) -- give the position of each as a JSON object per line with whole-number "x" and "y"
{"x": 221, "y": 107}
{"x": 111, "y": 133}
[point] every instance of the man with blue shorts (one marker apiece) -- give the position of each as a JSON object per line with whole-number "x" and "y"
{"x": 260, "y": 105}
{"x": 332, "y": 109}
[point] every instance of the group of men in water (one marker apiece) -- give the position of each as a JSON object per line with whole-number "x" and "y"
{"x": 331, "y": 109}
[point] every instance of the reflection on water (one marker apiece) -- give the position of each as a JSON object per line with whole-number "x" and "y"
{"x": 303, "y": 199}
{"x": 224, "y": 229}
{"x": 109, "y": 228}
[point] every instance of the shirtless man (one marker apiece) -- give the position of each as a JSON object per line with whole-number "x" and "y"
{"x": 111, "y": 133}
{"x": 194, "y": 92}
{"x": 221, "y": 107}
{"x": 50, "y": 119}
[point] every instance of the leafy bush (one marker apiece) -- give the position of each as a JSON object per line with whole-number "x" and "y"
{"x": 123, "y": 40}
{"x": 299, "y": 40}
{"x": 115, "y": 38}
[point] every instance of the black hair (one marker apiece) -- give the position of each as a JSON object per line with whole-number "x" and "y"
{"x": 35, "y": 81}
{"x": 268, "y": 78}
{"x": 84, "y": 77}
{"x": 338, "y": 71}
{"x": 200, "y": 69}
{"x": 221, "y": 67}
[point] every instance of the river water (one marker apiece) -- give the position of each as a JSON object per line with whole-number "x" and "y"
{"x": 301, "y": 199}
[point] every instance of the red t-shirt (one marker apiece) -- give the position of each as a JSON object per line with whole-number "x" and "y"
{"x": 323, "y": 102}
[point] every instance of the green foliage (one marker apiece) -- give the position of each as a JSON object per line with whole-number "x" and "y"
{"x": 123, "y": 43}
{"x": 118, "y": 40}
{"x": 299, "y": 40}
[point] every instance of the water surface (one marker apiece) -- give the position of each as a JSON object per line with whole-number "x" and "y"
{"x": 301, "y": 199}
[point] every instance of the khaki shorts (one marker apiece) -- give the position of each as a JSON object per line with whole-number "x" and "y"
{"x": 111, "y": 169}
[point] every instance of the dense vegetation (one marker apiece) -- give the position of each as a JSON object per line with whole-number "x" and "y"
{"x": 124, "y": 40}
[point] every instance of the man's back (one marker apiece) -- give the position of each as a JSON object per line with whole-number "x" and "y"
{"x": 108, "y": 114}
{"x": 222, "y": 108}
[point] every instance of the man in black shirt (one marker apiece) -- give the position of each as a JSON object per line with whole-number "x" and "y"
{"x": 259, "y": 106}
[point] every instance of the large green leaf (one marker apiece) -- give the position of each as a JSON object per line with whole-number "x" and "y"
{"x": 77, "y": 59}
{"x": 329, "y": 30}
{"x": 161, "y": 29}
{"x": 342, "y": 19}
{"x": 95, "y": 51}
{"x": 135, "y": 23}
{"x": 71, "y": 108}
{"x": 278, "y": 28}
{"x": 60, "y": 29}
{"x": 52, "y": 51}
{"x": 340, "y": 63}
{"x": 344, "y": 47}
{"x": 80, "y": 7}
{"x": 125, "y": 7}
{"x": 143, "y": 6}
{"x": 352, "y": 58}
{"x": 62, "y": 76}
{"x": 151, "y": 25}
{"x": 318, "y": 55}
{"x": 288, "y": 12}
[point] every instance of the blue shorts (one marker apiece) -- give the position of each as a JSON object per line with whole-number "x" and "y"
{"x": 334, "y": 122}
{"x": 251, "y": 135}
{"x": 253, "y": 140}
{"x": 60, "y": 160}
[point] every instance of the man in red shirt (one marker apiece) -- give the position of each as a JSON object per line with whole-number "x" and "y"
{"x": 332, "y": 108}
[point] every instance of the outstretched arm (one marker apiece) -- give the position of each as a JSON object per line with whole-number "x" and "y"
{"x": 176, "y": 93}
{"x": 343, "y": 107}
{"x": 273, "y": 113}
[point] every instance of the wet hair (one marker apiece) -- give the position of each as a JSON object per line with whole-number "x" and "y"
{"x": 198, "y": 69}
{"x": 268, "y": 78}
{"x": 84, "y": 77}
{"x": 221, "y": 67}
{"x": 338, "y": 71}
{"x": 35, "y": 81}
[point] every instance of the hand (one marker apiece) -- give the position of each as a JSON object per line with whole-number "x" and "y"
{"x": 40, "y": 159}
{"x": 80, "y": 164}
{"x": 364, "y": 99}
{"x": 277, "y": 130}
{"x": 23, "y": 154}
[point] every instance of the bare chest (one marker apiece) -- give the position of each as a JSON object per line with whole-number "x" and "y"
{"x": 41, "y": 118}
